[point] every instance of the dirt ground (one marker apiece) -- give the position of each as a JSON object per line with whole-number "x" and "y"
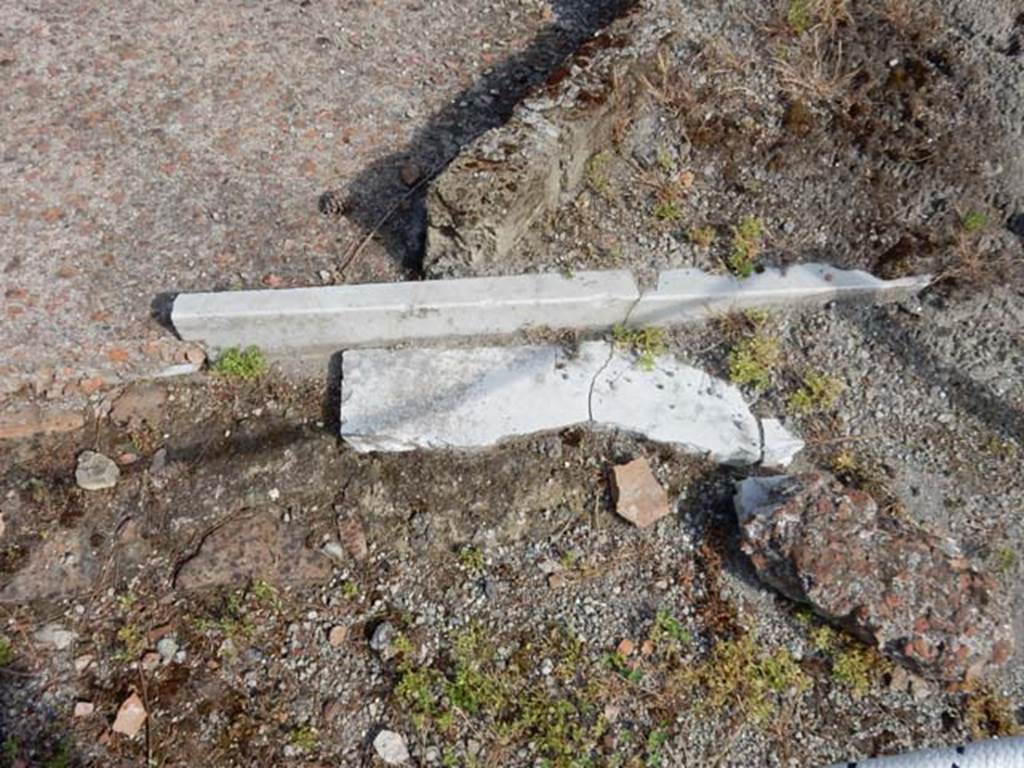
{"x": 506, "y": 581}
{"x": 151, "y": 147}
{"x": 275, "y": 599}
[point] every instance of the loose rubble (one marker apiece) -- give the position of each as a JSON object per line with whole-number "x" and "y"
{"x": 639, "y": 497}
{"x": 130, "y": 717}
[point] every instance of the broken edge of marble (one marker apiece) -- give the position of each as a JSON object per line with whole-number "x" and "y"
{"x": 300, "y": 321}
{"x": 690, "y": 295}
{"x": 462, "y": 398}
{"x": 779, "y": 446}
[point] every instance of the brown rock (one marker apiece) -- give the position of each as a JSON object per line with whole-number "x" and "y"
{"x": 898, "y": 587}
{"x": 337, "y": 636}
{"x": 639, "y": 497}
{"x": 33, "y": 421}
{"x": 130, "y": 717}
{"x": 249, "y": 547}
{"x": 626, "y": 647}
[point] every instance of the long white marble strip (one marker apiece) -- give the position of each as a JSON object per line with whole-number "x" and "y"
{"x": 341, "y": 317}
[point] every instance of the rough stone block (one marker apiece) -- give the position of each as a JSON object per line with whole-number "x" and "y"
{"x": 688, "y": 295}
{"x": 908, "y": 592}
{"x": 490, "y": 195}
{"x": 327, "y": 319}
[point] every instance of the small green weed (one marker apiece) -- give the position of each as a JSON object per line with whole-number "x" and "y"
{"x": 667, "y": 628}
{"x": 1001, "y": 448}
{"x": 854, "y": 665}
{"x": 1004, "y": 561}
{"x": 703, "y": 237}
{"x": 647, "y": 343}
{"x": 6, "y": 651}
{"x": 799, "y": 16}
{"x": 10, "y": 749}
{"x": 232, "y": 621}
{"x": 742, "y": 676}
{"x": 973, "y": 222}
{"x": 244, "y": 364}
{"x": 747, "y": 242}
{"x": 61, "y": 758}
{"x": 665, "y": 160}
{"x": 266, "y": 594}
{"x": 656, "y": 740}
{"x": 473, "y": 686}
{"x": 818, "y": 393}
{"x": 349, "y": 589}
{"x": 133, "y": 642}
{"x": 597, "y": 174}
{"x": 753, "y": 360}
{"x": 621, "y": 667}
{"x": 304, "y": 738}
{"x": 471, "y": 558}
{"x": 668, "y": 210}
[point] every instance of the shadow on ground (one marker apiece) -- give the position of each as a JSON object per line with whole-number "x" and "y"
{"x": 488, "y": 103}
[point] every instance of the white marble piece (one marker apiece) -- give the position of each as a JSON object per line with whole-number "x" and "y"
{"x": 399, "y": 400}
{"x": 679, "y": 404}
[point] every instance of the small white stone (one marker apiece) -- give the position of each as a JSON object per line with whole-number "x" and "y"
{"x": 390, "y": 747}
{"x": 56, "y": 636}
{"x": 167, "y": 647}
{"x": 96, "y": 472}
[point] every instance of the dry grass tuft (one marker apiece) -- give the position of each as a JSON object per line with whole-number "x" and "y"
{"x": 811, "y": 72}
